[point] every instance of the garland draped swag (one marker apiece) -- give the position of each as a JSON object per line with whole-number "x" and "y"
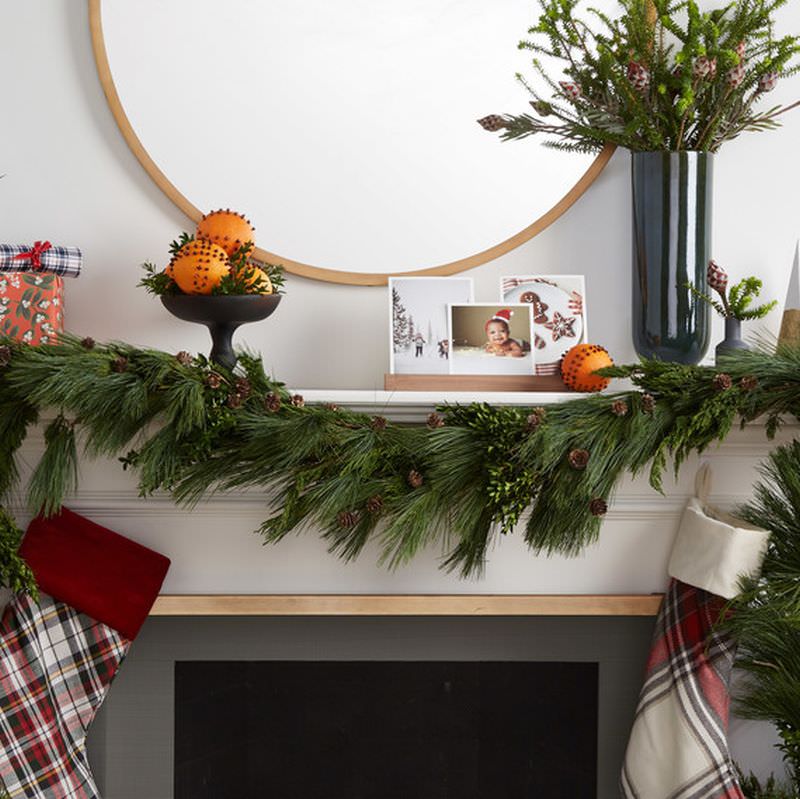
{"x": 191, "y": 428}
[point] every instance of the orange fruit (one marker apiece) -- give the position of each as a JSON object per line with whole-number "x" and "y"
{"x": 257, "y": 281}
{"x": 579, "y": 364}
{"x": 226, "y": 229}
{"x": 198, "y": 267}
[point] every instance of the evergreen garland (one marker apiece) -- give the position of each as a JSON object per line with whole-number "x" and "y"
{"x": 190, "y": 428}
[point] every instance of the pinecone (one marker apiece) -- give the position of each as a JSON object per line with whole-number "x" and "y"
{"x": 767, "y": 82}
{"x": 272, "y": 402}
{"x": 184, "y": 358}
{"x": 375, "y": 504}
{"x": 378, "y": 423}
{"x": 535, "y": 419}
{"x": 717, "y": 277}
{"x": 705, "y": 67}
{"x": 348, "y": 518}
{"x": 235, "y": 400}
{"x": 298, "y": 401}
{"x": 5, "y": 355}
{"x": 119, "y": 364}
{"x": 415, "y": 479}
{"x": 572, "y": 90}
{"x": 213, "y": 380}
{"x": 87, "y": 343}
{"x": 619, "y": 407}
{"x": 434, "y": 421}
{"x": 639, "y": 76}
{"x": 578, "y": 459}
{"x": 331, "y": 406}
{"x": 493, "y": 123}
{"x": 722, "y": 382}
{"x": 243, "y": 386}
{"x": 740, "y": 49}
{"x": 598, "y": 507}
{"x": 748, "y": 383}
{"x": 648, "y": 403}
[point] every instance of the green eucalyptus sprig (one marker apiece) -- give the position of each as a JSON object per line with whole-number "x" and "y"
{"x": 663, "y": 75}
{"x": 733, "y": 303}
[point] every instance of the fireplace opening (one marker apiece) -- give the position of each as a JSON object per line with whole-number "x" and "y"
{"x": 385, "y": 729}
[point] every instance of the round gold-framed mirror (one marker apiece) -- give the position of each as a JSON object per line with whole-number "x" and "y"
{"x": 152, "y": 40}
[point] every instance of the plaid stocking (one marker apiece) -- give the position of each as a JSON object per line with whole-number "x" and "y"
{"x": 59, "y": 655}
{"x": 678, "y": 747}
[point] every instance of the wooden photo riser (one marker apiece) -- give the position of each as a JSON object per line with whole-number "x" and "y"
{"x": 403, "y": 382}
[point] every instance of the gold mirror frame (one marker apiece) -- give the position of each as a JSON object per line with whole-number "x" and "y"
{"x": 296, "y": 267}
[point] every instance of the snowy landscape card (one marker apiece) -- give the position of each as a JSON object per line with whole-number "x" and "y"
{"x": 559, "y": 313}
{"x": 418, "y": 327}
{"x": 491, "y": 339}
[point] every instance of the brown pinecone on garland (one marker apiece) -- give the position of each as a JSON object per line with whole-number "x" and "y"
{"x": 298, "y": 401}
{"x": 578, "y": 459}
{"x": 375, "y": 504}
{"x": 434, "y": 421}
{"x": 717, "y": 277}
{"x": 5, "y": 355}
{"x": 767, "y": 82}
{"x": 331, "y": 406}
{"x": 598, "y": 507}
{"x": 272, "y": 402}
{"x": 184, "y": 358}
{"x": 348, "y": 518}
{"x": 639, "y": 76}
{"x": 748, "y": 383}
{"x": 234, "y": 400}
{"x": 87, "y": 343}
{"x": 619, "y": 407}
{"x": 242, "y": 386}
{"x": 722, "y": 382}
{"x": 415, "y": 479}
{"x": 378, "y": 423}
{"x": 535, "y": 419}
{"x": 119, "y": 364}
{"x": 648, "y": 403}
{"x": 213, "y": 380}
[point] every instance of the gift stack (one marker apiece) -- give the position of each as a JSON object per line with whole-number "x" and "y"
{"x": 32, "y": 289}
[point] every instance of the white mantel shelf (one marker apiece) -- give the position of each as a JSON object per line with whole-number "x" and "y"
{"x": 407, "y": 605}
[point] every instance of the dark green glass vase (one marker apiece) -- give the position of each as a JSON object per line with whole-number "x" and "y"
{"x": 672, "y": 199}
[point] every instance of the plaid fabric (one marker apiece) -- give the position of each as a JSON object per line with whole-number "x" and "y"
{"x": 55, "y": 667}
{"x": 678, "y": 747}
{"x": 63, "y": 261}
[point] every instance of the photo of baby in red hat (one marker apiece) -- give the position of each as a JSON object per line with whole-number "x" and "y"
{"x": 491, "y": 339}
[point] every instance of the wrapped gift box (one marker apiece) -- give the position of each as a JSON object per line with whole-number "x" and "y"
{"x": 31, "y": 306}
{"x": 32, "y": 289}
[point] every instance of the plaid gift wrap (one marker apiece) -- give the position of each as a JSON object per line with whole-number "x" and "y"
{"x": 41, "y": 257}
{"x": 59, "y": 655}
{"x": 55, "y": 667}
{"x": 31, "y": 306}
{"x": 678, "y": 747}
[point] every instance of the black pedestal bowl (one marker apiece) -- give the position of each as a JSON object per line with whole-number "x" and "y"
{"x": 221, "y": 315}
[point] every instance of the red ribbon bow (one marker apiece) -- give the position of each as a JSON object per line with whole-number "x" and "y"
{"x": 35, "y": 254}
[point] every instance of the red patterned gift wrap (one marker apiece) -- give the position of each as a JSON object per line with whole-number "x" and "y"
{"x": 31, "y": 306}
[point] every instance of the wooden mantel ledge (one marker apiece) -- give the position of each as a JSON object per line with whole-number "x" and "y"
{"x": 407, "y": 605}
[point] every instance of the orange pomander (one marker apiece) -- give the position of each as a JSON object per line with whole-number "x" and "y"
{"x": 227, "y": 229}
{"x": 198, "y": 267}
{"x": 257, "y": 281}
{"x": 579, "y": 364}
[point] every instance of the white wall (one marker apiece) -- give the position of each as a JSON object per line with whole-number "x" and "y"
{"x": 71, "y": 179}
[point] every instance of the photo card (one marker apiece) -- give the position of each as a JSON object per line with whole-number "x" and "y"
{"x": 559, "y": 313}
{"x": 491, "y": 339}
{"x": 418, "y": 322}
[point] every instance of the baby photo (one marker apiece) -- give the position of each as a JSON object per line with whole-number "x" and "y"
{"x": 491, "y": 339}
{"x": 420, "y": 342}
{"x": 559, "y": 313}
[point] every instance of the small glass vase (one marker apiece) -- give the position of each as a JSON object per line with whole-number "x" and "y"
{"x": 672, "y": 198}
{"x": 733, "y": 339}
